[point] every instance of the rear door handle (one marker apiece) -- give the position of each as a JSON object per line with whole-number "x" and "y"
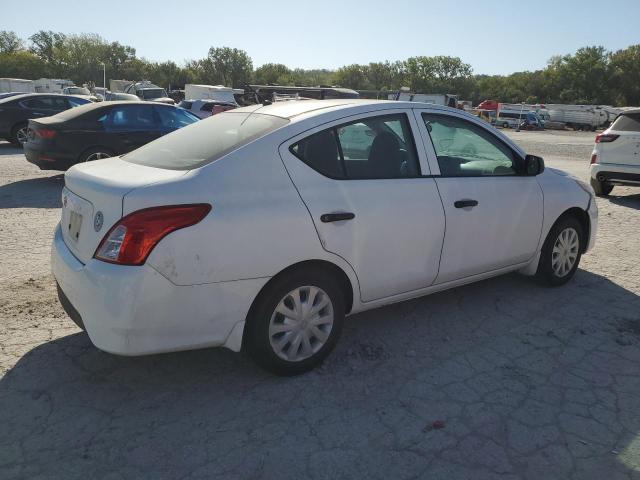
{"x": 337, "y": 217}
{"x": 465, "y": 203}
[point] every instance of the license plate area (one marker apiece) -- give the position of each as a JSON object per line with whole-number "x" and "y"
{"x": 75, "y": 225}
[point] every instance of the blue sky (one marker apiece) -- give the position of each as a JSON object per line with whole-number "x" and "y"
{"x": 494, "y": 37}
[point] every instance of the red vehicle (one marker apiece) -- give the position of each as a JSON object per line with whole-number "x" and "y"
{"x": 489, "y": 105}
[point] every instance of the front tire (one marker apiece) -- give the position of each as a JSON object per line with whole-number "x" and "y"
{"x": 295, "y": 322}
{"x": 561, "y": 252}
{"x": 602, "y": 189}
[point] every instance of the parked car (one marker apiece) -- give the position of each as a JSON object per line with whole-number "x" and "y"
{"x": 116, "y": 96}
{"x": 149, "y": 92}
{"x": 615, "y": 159}
{"x": 98, "y": 131}
{"x": 16, "y": 111}
{"x": 10, "y": 94}
{"x": 81, "y": 92}
{"x": 206, "y": 108}
{"x": 251, "y": 229}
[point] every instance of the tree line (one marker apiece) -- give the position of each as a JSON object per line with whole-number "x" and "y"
{"x": 591, "y": 75}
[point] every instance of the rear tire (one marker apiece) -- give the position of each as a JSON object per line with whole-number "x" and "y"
{"x": 97, "y": 153}
{"x": 561, "y": 252}
{"x": 297, "y": 342}
{"x": 19, "y": 134}
{"x": 602, "y": 189}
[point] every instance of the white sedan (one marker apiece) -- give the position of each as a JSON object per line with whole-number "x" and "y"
{"x": 262, "y": 227}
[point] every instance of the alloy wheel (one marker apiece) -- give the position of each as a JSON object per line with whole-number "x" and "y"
{"x": 301, "y": 323}
{"x": 21, "y": 135}
{"x": 97, "y": 156}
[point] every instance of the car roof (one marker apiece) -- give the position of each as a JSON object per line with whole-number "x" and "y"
{"x": 630, "y": 110}
{"x": 298, "y": 109}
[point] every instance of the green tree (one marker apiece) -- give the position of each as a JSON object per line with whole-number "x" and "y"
{"x": 228, "y": 66}
{"x": 275, "y": 73}
{"x": 10, "y": 42}
{"x": 625, "y": 76}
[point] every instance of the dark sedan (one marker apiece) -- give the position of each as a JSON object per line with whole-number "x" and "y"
{"x": 16, "y": 111}
{"x": 99, "y": 130}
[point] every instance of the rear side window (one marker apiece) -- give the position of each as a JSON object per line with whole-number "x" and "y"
{"x": 205, "y": 141}
{"x": 629, "y": 122}
{"x": 132, "y": 117}
{"x": 207, "y": 107}
{"x": 370, "y": 148}
{"x": 50, "y": 103}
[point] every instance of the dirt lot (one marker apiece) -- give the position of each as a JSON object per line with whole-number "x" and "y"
{"x": 521, "y": 381}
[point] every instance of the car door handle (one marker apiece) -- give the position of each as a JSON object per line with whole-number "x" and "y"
{"x": 465, "y": 203}
{"x": 337, "y": 217}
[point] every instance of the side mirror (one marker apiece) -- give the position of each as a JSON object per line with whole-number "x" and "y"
{"x": 533, "y": 165}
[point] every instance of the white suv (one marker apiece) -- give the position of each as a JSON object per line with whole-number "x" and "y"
{"x": 616, "y": 156}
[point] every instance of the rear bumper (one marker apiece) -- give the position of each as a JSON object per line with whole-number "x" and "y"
{"x": 136, "y": 310}
{"x": 47, "y": 160}
{"x": 616, "y": 173}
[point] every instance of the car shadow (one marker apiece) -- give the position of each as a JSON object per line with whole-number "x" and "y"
{"x": 7, "y": 148}
{"x": 473, "y": 357}
{"x": 630, "y": 201}
{"x": 39, "y": 192}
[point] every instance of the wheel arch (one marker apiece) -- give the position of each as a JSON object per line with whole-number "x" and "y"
{"x": 345, "y": 284}
{"x": 585, "y": 222}
{"x": 343, "y": 280}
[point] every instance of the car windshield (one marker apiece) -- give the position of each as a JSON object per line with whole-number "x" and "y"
{"x": 150, "y": 93}
{"x": 205, "y": 141}
{"x": 78, "y": 91}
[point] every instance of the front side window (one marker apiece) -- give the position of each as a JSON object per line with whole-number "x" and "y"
{"x": 76, "y": 102}
{"x": 629, "y": 122}
{"x": 370, "y": 148}
{"x": 132, "y": 117}
{"x": 174, "y": 118}
{"x": 467, "y": 150}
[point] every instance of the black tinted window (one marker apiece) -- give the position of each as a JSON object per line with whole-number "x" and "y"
{"x": 320, "y": 152}
{"x": 173, "y": 118}
{"x": 185, "y": 104}
{"x": 207, "y": 107}
{"x": 629, "y": 122}
{"x": 50, "y": 103}
{"x": 132, "y": 117}
{"x": 370, "y": 148}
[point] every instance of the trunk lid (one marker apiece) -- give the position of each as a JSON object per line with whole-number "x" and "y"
{"x": 93, "y": 196}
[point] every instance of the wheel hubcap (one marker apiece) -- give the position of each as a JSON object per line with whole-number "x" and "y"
{"x": 97, "y": 156}
{"x": 301, "y": 323}
{"x": 565, "y": 252}
{"x": 21, "y": 135}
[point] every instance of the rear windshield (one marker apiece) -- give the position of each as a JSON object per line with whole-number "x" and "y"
{"x": 205, "y": 141}
{"x": 629, "y": 122}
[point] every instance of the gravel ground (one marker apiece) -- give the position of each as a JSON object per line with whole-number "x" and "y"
{"x": 500, "y": 379}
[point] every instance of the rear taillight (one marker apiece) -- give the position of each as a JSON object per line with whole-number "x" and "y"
{"x": 131, "y": 240}
{"x": 606, "y": 137}
{"x": 45, "y": 133}
{"x": 594, "y": 158}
